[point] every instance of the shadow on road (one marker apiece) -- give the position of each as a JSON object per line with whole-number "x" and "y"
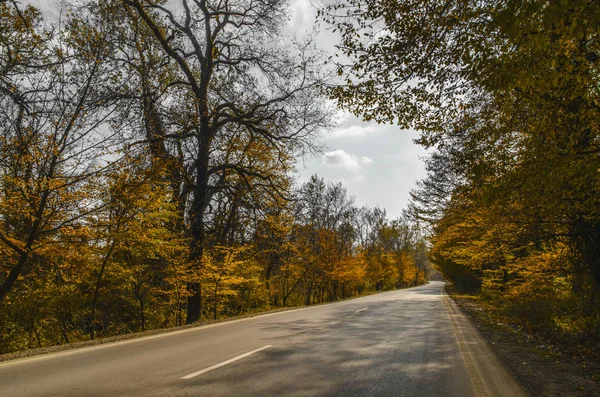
{"x": 395, "y": 348}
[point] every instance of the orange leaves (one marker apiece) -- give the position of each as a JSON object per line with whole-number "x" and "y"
{"x": 350, "y": 269}
{"x": 231, "y": 279}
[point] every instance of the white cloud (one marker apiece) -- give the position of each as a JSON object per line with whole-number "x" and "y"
{"x": 352, "y": 131}
{"x": 302, "y": 17}
{"x": 340, "y": 159}
{"x": 366, "y": 160}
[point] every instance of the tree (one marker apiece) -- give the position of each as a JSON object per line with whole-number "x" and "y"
{"x": 146, "y": 154}
{"x": 136, "y": 247}
{"x": 52, "y": 105}
{"x": 237, "y": 77}
{"x": 526, "y": 128}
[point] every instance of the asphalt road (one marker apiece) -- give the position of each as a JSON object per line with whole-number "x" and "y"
{"x": 399, "y": 343}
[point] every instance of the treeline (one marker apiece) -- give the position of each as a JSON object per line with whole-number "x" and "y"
{"x": 128, "y": 271}
{"x": 146, "y": 154}
{"x": 506, "y": 96}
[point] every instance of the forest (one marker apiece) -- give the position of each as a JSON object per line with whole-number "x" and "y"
{"x": 147, "y": 163}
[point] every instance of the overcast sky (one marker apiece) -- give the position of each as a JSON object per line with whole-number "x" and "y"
{"x": 378, "y": 164}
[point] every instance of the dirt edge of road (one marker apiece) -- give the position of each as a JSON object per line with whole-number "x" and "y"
{"x": 489, "y": 376}
{"x": 543, "y": 370}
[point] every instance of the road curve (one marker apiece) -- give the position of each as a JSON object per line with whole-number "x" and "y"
{"x": 412, "y": 342}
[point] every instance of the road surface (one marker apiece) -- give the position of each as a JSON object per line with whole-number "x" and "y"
{"x": 410, "y": 342}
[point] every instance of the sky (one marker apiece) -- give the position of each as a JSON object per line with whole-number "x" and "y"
{"x": 378, "y": 164}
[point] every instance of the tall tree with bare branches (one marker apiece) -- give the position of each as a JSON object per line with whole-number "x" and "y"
{"x": 239, "y": 75}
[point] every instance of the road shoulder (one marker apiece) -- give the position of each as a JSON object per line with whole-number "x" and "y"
{"x": 542, "y": 369}
{"x": 488, "y": 375}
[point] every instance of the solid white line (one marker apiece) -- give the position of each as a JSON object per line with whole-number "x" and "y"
{"x": 358, "y": 311}
{"x": 224, "y": 363}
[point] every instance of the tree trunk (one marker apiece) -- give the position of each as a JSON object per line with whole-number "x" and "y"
{"x": 198, "y": 227}
{"x": 97, "y": 290}
{"x": 215, "y": 309}
{"x": 142, "y": 315}
{"x": 587, "y": 244}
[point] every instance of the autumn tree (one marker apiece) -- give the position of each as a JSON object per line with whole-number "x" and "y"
{"x": 515, "y": 81}
{"x": 52, "y": 107}
{"x": 153, "y": 113}
{"x": 147, "y": 153}
{"x": 505, "y": 95}
{"x": 137, "y": 250}
{"x": 238, "y": 75}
